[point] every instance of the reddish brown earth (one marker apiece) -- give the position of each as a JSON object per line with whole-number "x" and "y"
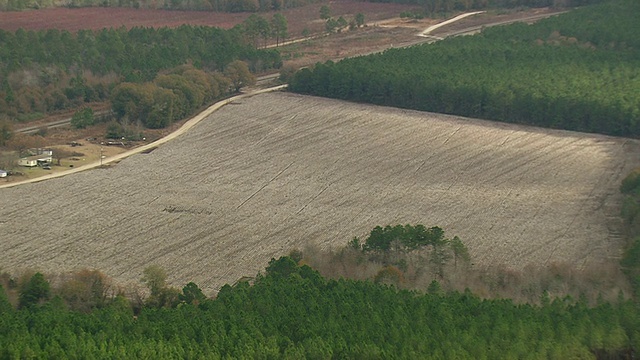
{"x": 98, "y": 18}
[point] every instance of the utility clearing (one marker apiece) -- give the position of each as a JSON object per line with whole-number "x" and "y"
{"x": 278, "y": 171}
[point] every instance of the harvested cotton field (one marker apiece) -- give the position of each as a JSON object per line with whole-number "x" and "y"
{"x": 278, "y": 171}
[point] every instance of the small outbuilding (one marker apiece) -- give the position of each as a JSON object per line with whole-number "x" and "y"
{"x": 3, "y": 173}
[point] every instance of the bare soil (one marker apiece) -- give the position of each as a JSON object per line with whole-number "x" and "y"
{"x": 99, "y": 18}
{"x": 280, "y": 171}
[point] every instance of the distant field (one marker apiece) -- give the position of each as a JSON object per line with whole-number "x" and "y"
{"x": 278, "y": 171}
{"x": 99, "y": 17}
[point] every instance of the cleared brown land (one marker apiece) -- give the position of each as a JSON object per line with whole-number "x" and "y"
{"x": 98, "y": 18}
{"x": 278, "y": 171}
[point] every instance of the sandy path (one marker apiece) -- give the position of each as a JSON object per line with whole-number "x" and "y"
{"x": 431, "y": 28}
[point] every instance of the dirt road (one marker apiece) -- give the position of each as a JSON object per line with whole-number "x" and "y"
{"x": 113, "y": 159}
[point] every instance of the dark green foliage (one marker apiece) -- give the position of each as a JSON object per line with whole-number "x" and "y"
{"x": 631, "y": 183}
{"x": 630, "y": 210}
{"x": 105, "y": 57}
{"x": 279, "y": 28}
{"x": 341, "y": 22}
{"x": 355, "y": 243}
{"x": 5, "y": 305}
{"x": 325, "y": 12}
{"x": 434, "y": 288}
{"x": 114, "y": 130}
{"x": 37, "y": 289}
{"x": 460, "y": 251}
{"x": 405, "y": 237}
{"x": 331, "y": 25}
{"x": 632, "y": 255}
{"x": 577, "y": 71}
{"x": 390, "y": 244}
{"x": 6, "y": 132}
{"x": 82, "y": 118}
{"x": 297, "y": 314}
{"x": 631, "y": 265}
{"x": 191, "y": 294}
{"x": 412, "y": 15}
{"x": 631, "y": 204}
{"x": 255, "y": 28}
{"x": 282, "y": 267}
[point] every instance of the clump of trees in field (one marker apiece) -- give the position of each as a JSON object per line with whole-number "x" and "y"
{"x": 414, "y": 256}
{"x": 291, "y": 312}
{"x": 577, "y": 71}
{"x": 52, "y": 70}
{"x": 392, "y": 244}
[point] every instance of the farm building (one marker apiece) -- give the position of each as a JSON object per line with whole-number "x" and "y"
{"x": 36, "y": 160}
{"x": 3, "y": 173}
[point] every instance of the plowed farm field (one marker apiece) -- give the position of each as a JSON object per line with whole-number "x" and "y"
{"x": 279, "y": 171}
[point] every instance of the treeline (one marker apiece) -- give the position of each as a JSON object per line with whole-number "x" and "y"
{"x": 291, "y": 312}
{"x": 46, "y": 71}
{"x": 630, "y": 262}
{"x": 578, "y": 71}
{"x": 201, "y": 5}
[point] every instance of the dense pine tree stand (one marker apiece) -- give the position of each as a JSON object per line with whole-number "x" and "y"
{"x": 292, "y": 312}
{"x": 576, "y": 71}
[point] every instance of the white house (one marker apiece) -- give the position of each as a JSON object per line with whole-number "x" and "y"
{"x": 35, "y": 160}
